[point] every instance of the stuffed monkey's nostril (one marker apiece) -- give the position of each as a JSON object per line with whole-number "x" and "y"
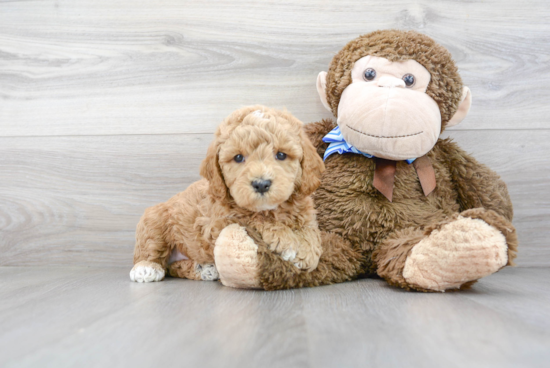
{"x": 261, "y": 186}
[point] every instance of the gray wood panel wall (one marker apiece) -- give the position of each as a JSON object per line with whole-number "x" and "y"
{"x": 107, "y": 107}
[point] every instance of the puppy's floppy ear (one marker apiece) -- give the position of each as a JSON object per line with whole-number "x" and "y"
{"x": 211, "y": 171}
{"x": 312, "y": 167}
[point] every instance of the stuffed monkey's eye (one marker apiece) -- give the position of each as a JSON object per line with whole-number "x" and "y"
{"x": 370, "y": 74}
{"x": 409, "y": 80}
{"x": 239, "y": 158}
{"x": 280, "y": 156}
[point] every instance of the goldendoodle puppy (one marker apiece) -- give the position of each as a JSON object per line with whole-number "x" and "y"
{"x": 259, "y": 173}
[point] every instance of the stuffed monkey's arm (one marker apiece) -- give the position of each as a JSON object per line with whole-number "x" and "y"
{"x": 477, "y": 185}
{"x": 339, "y": 262}
{"x": 316, "y": 132}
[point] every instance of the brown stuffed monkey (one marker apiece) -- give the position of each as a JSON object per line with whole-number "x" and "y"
{"x": 395, "y": 200}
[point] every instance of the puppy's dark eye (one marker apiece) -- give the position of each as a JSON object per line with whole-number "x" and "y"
{"x": 280, "y": 156}
{"x": 370, "y": 74}
{"x": 409, "y": 80}
{"x": 238, "y": 158}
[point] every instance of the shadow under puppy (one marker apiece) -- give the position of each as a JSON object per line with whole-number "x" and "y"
{"x": 259, "y": 173}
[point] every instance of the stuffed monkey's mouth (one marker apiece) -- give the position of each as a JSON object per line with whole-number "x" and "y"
{"x": 383, "y": 136}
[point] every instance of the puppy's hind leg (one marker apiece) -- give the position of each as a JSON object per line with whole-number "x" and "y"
{"x": 151, "y": 251}
{"x": 189, "y": 269}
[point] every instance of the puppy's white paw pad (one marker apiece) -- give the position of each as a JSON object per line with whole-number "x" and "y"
{"x": 146, "y": 274}
{"x": 288, "y": 254}
{"x": 208, "y": 272}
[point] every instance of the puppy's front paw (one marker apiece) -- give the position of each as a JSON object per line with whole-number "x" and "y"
{"x": 146, "y": 271}
{"x": 302, "y": 261}
{"x": 208, "y": 272}
{"x": 308, "y": 261}
{"x": 289, "y": 255}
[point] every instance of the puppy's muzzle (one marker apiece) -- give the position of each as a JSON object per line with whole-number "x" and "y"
{"x": 261, "y": 186}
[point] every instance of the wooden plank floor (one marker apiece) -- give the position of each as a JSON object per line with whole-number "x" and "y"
{"x": 82, "y": 317}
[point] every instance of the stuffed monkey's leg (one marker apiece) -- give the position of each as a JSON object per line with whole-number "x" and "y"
{"x": 245, "y": 261}
{"x": 151, "y": 251}
{"x": 452, "y": 254}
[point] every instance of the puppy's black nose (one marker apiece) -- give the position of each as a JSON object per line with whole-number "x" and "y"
{"x": 261, "y": 186}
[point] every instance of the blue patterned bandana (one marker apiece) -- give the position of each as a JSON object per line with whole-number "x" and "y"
{"x": 339, "y": 145}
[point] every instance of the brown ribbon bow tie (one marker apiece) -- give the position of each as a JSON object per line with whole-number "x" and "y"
{"x": 384, "y": 175}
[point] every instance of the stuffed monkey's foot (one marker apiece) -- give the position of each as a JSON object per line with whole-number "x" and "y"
{"x": 145, "y": 271}
{"x": 236, "y": 257}
{"x": 461, "y": 251}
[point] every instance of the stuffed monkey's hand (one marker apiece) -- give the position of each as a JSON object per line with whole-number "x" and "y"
{"x": 236, "y": 257}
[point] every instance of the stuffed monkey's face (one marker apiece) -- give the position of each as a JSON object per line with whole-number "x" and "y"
{"x": 386, "y": 112}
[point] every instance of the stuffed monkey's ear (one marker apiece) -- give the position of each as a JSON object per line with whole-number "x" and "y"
{"x": 312, "y": 167}
{"x": 322, "y": 89}
{"x": 211, "y": 171}
{"x": 463, "y": 108}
